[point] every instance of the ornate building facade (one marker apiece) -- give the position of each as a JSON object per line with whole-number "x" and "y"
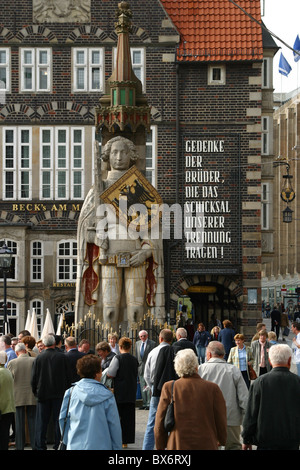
{"x": 205, "y": 68}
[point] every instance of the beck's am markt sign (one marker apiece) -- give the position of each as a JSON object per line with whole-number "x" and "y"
{"x": 211, "y": 203}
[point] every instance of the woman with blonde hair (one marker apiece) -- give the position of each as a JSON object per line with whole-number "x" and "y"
{"x": 199, "y": 409}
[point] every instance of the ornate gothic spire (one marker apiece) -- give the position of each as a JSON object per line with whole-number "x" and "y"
{"x": 124, "y": 105}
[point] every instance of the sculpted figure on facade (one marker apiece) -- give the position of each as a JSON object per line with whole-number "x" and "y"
{"x": 113, "y": 292}
{"x": 61, "y": 11}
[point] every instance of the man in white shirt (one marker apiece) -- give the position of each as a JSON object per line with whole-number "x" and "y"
{"x": 165, "y": 340}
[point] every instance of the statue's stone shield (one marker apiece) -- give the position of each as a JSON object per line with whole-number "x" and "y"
{"x": 135, "y": 200}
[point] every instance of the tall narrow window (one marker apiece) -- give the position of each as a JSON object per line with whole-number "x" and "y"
{"x": 46, "y": 162}
{"x": 25, "y": 163}
{"x": 265, "y": 205}
{"x": 62, "y": 163}
{"x": 4, "y": 72}
{"x": 265, "y": 138}
{"x": 77, "y": 156}
{"x": 138, "y": 63}
{"x": 27, "y": 70}
{"x": 37, "y": 260}
{"x": 151, "y": 155}
{"x": 43, "y": 70}
{"x": 9, "y": 163}
{"x": 267, "y": 81}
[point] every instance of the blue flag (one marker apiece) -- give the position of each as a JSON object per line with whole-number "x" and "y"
{"x": 284, "y": 66}
{"x": 297, "y": 48}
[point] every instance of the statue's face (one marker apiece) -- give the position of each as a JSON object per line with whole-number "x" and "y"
{"x": 119, "y": 156}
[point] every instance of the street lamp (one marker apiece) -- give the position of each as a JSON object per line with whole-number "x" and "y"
{"x": 5, "y": 262}
{"x": 287, "y": 215}
{"x": 287, "y": 192}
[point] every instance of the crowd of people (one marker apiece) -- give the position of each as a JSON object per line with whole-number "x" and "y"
{"x": 221, "y": 386}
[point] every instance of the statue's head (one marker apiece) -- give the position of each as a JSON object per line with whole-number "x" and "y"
{"x": 120, "y": 153}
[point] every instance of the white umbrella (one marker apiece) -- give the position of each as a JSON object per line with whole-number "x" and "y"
{"x": 48, "y": 325}
{"x": 58, "y": 331}
{"x": 33, "y": 325}
{"x": 28, "y": 321}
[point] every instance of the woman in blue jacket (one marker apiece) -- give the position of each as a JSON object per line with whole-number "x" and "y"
{"x": 93, "y": 421}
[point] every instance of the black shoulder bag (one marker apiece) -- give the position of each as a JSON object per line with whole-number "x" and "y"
{"x": 169, "y": 421}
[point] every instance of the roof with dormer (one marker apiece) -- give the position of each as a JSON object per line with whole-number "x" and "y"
{"x": 217, "y": 30}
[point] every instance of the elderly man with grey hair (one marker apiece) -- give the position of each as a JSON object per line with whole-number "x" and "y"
{"x": 182, "y": 341}
{"x": 230, "y": 380}
{"x": 271, "y": 420}
{"x": 25, "y": 401}
{"x": 51, "y": 377}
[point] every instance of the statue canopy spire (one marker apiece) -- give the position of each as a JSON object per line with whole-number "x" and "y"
{"x": 124, "y": 105}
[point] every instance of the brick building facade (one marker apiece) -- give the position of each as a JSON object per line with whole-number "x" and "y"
{"x": 206, "y": 99}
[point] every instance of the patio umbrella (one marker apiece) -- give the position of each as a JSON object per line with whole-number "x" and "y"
{"x": 33, "y": 325}
{"x": 58, "y": 331}
{"x": 48, "y": 325}
{"x": 28, "y": 321}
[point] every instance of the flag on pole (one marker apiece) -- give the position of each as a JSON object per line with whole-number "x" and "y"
{"x": 284, "y": 66}
{"x": 297, "y": 48}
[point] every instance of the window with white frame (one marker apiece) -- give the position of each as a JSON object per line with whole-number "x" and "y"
{"x": 46, "y": 162}
{"x": 35, "y": 69}
{"x": 267, "y": 81}
{"x": 66, "y": 261}
{"x": 4, "y": 70}
{"x": 62, "y": 162}
{"x": 17, "y": 163}
{"x": 265, "y": 137}
{"x": 38, "y": 306}
{"x": 12, "y": 315}
{"x": 37, "y": 261}
{"x": 151, "y": 152}
{"x": 12, "y": 273}
{"x": 216, "y": 75}
{"x": 265, "y": 206}
{"x": 137, "y": 62}
{"x": 88, "y": 69}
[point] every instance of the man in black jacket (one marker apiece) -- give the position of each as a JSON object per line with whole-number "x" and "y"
{"x": 275, "y": 320}
{"x": 73, "y": 355}
{"x": 51, "y": 377}
{"x": 273, "y": 410}
{"x": 182, "y": 341}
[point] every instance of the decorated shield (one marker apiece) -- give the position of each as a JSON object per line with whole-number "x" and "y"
{"x": 134, "y": 199}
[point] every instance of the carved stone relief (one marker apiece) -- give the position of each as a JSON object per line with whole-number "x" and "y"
{"x": 61, "y": 11}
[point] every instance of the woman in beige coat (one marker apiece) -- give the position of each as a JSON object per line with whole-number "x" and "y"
{"x": 199, "y": 408}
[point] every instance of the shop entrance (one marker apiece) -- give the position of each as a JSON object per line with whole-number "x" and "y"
{"x": 202, "y": 303}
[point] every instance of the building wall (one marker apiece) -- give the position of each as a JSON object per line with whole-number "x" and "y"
{"x": 184, "y": 106}
{"x": 281, "y": 273}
